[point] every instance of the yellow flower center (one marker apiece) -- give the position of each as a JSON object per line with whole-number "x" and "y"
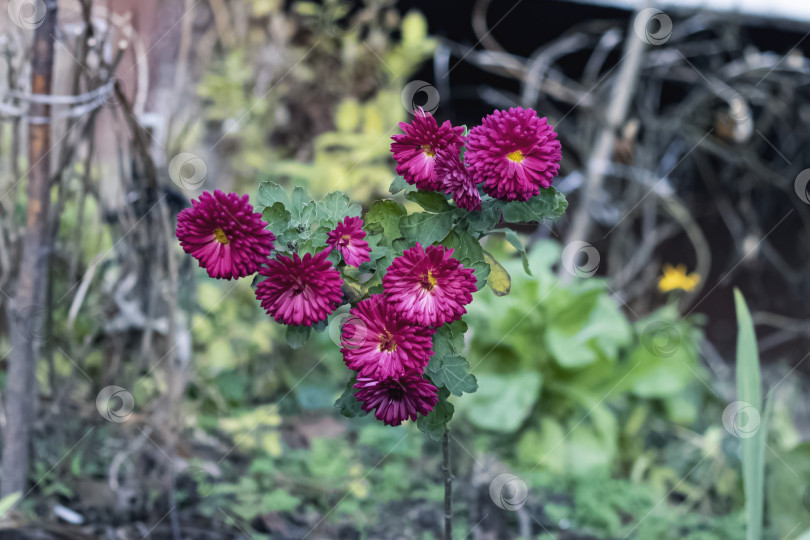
{"x": 219, "y": 234}
{"x": 516, "y": 156}
{"x": 428, "y": 281}
{"x": 387, "y": 342}
{"x": 428, "y": 150}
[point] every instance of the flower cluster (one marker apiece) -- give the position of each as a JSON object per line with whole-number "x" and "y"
{"x": 388, "y": 341}
{"x": 388, "y": 338}
{"x": 513, "y": 153}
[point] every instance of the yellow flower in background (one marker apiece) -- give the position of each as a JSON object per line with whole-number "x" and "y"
{"x": 676, "y": 278}
{"x": 358, "y": 484}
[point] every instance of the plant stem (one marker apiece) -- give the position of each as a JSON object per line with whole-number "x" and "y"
{"x": 448, "y": 487}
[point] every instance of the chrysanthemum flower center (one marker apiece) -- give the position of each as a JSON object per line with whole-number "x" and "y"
{"x": 428, "y": 281}
{"x": 395, "y": 393}
{"x": 219, "y": 234}
{"x": 516, "y": 156}
{"x": 428, "y": 150}
{"x": 387, "y": 342}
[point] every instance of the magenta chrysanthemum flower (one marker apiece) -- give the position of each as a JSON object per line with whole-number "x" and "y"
{"x": 415, "y": 150}
{"x": 348, "y": 239}
{"x": 397, "y": 399}
{"x": 378, "y": 343}
{"x": 300, "y": 291}
{"x": 224, "y": 234}
{"x": 456, "y": 180}
{"x": 429, "y": 286}
{"x": 514, "y": 153}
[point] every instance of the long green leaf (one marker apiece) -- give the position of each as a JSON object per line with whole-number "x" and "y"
{"x": 749, "y": 391}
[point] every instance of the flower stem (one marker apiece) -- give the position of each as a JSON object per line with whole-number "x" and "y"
{"x": 448, "y": 487}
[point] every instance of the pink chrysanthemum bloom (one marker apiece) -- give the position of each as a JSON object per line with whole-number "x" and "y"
{"x": 300, "y": 291}
{"x": 457, "y": 180}
{"x": 348, "y": 239}
{"x": 397, "y": 399}
{"x": 429, "y": 286}
{"x": 514, "y": 153}
{"x": 224, "y": 234}
{"x": 378, "y": 343}
{"x": 415, "y": 150}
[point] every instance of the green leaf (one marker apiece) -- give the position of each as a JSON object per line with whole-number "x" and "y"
{"x": 400, "y": 184}
{"x": 549, "y": 204}
{"x": 269, "y": 193}
{"x": 297, "y": 335}
{"x": 513, "y": 238}
{"x": 426, "y": 228}
{"x": 482, "y": 271}
{"x": 453, "y": 373}
{"x": 8, "y": 502}
{"x": 787, "y": 490}
{"x": 498, "y": 279}
{"x": 302, "y": 210}
{"x": 435, "y": 423}
{"x": 347, "y": 403}
{"x": 448, "y": 340}
{"x": 749, "y": 391}
{"x": 591, "y": 327}
{"x": 503, "y": 401}
{"x": 336, "y": 206}
{"x": 383, "y": 218}
{"x": 464, "y": 246}
{"x": 277, "y": 218}
{"x": 278, "y": 500}
{"x": 485, "y": 219}
{"x": 431, "y": 201}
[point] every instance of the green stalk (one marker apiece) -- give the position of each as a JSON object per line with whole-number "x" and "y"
{"x": 749, "y": 390}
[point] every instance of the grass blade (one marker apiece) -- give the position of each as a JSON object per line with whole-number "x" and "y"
{"x": 749, "y": 391}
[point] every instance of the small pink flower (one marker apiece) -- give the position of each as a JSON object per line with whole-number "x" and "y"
{"x": 224, "y": 234}
{"x": 348, "y": 239}
{"x": 397, "y": 399}
{"x": 300, "y": 291}
{"x": 429, "y": 286}
{"x": 514, "y": 153}
{"x": 457, "y": 180}
{"x": 415, "y": 150}
{"x": 379, "y": 344}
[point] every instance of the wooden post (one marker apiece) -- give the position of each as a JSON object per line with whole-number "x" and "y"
{"x": 26, "y": 311}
